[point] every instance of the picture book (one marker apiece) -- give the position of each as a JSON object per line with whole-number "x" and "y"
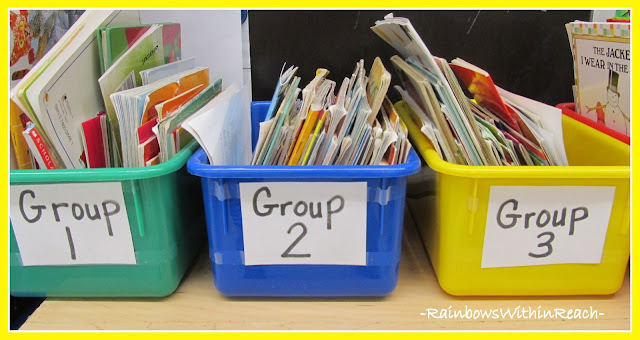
{"x": 113, "y": 42}
{"x": 602, "y": 69}
{"x": 147, "y": 52}
{"x": 94, "y": 137}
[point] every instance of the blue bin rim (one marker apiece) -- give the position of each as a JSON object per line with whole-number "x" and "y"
{"x": 198, "y": 165}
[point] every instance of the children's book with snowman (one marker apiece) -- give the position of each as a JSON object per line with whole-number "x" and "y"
{"x": 602, "y": 69}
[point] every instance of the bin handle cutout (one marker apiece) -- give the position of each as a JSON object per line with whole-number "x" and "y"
{"x": 219, "y": 192}
{"x": 384, "y": 199}
{"x": 138, "y": 207}
{"x": 625, "y": 218}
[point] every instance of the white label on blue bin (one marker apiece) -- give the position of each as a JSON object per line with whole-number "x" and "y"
{"x": 304, "y": 223}
{"x": 71, "y": 224}
{"x": 536, "y": 225}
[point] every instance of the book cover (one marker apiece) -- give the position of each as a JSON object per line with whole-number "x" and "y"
{"x": 148, "y": 146}
{"x": 171, "y": 90}
{"x": 602, "y": 69}
{"x": 484, "y": 91}
{"x": 147, "y": 151}
{"x": 164, "y": 109}
{"x": 94, "y": 142}
{"x": 118, "y": 40}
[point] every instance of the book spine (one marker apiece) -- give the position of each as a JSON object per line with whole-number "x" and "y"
{"x": 41, "y": 149}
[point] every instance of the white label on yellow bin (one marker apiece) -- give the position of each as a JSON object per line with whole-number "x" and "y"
{"x": 536, "y": 225}
{"x": 304, "y": 223}
{"x": 71, "y": 224}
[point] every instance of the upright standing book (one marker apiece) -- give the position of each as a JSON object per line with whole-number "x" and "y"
{"x": 147, "y": 52}
{"x": 113, "y": 42}
{"x": 602, "y": 68}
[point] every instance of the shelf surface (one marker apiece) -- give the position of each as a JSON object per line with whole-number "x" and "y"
{"x": 196, "y": 305}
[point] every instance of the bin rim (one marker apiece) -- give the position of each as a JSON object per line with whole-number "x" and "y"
{"x": 568, "y": 109}
{"x": 199, "y": 165}
{"x": 530, "y": 172}
{"x": 104, "y": 174}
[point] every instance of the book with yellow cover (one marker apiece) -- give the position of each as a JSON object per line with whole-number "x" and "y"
{"x": 314, "y": 137}
{"x": 308, "y": 126}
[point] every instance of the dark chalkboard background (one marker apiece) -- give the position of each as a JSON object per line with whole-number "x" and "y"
{"x": 526, "y": 52}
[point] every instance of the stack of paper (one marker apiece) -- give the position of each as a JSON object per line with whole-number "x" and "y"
{"x": 358, "y": 126}
{"x": 495, "y": 128}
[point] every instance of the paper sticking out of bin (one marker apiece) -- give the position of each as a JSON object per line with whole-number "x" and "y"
{"x": 553, "y": 230}
{"x": 303, "y": 230}
{"x": 112, "y": 232}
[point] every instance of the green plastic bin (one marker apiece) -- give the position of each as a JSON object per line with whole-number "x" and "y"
{"x": 165, "y": 211}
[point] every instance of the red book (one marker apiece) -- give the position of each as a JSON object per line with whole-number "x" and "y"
{"x": 40, "y": 148}
{"x": 148, "y": 150}
{"x": 479, "y": 82}
{"x": 145, "y": 131}
{"x": 93, "y": 138}
{"x": 148, "y": 146}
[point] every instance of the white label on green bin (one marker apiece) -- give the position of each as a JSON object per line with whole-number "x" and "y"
{"x": 536, "y": 225}
{"x": 71, "y": 224}
{"x": 304, "y": 223}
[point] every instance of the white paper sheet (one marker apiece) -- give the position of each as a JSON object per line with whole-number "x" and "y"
{"x": 223, "y": 127}
{"x": 531, "y": 225}
{"x": 71, "y": 224}
{"x": 314, "y": 223}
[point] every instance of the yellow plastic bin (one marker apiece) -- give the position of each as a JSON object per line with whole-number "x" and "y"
{"x": 451, "y": 210}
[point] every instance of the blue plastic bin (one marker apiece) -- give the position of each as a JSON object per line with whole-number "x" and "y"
{"x": 220, "y": 186}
